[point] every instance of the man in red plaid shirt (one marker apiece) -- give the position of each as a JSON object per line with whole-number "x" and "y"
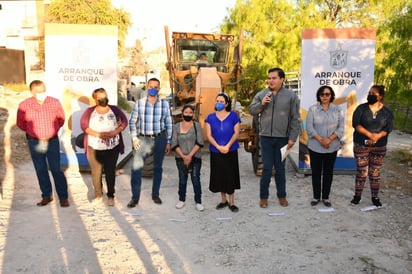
{"x": 41, "y": 117}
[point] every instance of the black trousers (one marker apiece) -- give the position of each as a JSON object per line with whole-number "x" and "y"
{"x": 322, "y": 173}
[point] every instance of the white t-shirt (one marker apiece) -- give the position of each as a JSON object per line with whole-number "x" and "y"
{"x": 103, "y": 123}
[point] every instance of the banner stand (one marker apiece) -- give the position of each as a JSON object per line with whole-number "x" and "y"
{"x": 344, "y": 60}
{"x": 79, "y": 59}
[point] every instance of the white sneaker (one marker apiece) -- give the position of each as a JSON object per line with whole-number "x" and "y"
{"x": 180, "y": 204}
{"x": 200, "y": 207}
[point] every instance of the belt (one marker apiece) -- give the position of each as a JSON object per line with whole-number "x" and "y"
{"x": 40, "y": 139}
{"x": 152, "y": 135}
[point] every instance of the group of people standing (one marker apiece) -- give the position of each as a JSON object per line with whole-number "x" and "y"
{"x": 372, "y": 122}
{"x": 153, "y": 133}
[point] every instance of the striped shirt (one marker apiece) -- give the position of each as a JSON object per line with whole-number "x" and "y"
{"x": 41, "y": 121}
{"x": 148, "y": 119}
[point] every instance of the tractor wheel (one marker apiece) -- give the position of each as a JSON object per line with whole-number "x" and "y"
{"x": 257, "y": 154}
{"x": 257, "y": 161}
{"x": 147, "y": 171}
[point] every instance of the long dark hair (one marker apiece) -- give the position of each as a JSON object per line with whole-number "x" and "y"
{"x": 227, "y": 100}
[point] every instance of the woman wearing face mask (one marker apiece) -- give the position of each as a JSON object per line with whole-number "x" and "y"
{"x": 103, "y": 125}
{"x": 222, "y": 131}
{"x": 373, "y": 122}
{"x": 187, "y": 141}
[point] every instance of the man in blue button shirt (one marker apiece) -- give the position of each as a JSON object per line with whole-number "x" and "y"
{"x": 151, "y": 130}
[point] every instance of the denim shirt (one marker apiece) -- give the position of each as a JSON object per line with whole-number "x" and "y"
{"x": 324, "y": 123}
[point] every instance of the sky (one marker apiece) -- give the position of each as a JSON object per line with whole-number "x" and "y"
{"x": 150, "y": 16}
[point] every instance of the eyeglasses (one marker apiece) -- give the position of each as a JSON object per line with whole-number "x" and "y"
{"x": 325, "y": 94}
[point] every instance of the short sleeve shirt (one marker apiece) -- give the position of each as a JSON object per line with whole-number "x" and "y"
{"x": 223, "y": 130}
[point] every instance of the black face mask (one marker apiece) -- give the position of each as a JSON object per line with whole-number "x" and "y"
{"x": 103, "y": 102}
{"x": 372, "y": 99}
{"x": 187, "y": 118}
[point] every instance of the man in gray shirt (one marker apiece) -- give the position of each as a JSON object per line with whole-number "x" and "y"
{"x": 278, "y": 111}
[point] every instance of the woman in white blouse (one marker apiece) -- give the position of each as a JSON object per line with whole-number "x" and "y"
{"x": 103, "y": 125}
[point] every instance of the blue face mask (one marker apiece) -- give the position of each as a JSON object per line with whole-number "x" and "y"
{"x": 219, "y": 106}
{"x": 153, "y": 91}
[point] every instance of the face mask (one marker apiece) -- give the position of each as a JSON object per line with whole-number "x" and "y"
{"x": 372, "y": 99}
{"x": 41, "y": 96}
{"x": 219, "y": 106}
{"x": 153, "y": 91}
{"x": 187, "y": 118}
{"x": 103, "y": 102}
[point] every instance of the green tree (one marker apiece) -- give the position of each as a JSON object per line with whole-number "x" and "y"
{"x": 272, "y": 37}
{"x": 272, "y": 30}
{"x": 395, "y": 71}
{"x": 88, "y": 12}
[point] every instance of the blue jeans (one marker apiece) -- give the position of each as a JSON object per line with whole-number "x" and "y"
{"x": 194, "y": 176}
{"x": 157, "y": 145}
{"x": 43, "y": 153}
{"x": 271, "y": 156}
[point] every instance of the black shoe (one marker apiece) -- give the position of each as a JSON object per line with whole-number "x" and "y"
{"x": 376, "y": 202}
{"x": 222, "y": 205}
{"x": 157, "y": 200}
{"x": 132, "y": 203}
{"x": 233, "y": 208}
{"x": 314, "y": 202}
{"x": 327, "y": 203}
{"x": 356, "y": 199}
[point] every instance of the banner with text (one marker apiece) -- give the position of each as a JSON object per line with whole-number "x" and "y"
{"x": 343, "y": 59}
{"x": 79, "y": 59}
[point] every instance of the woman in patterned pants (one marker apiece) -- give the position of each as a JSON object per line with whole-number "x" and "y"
{"x": 373, "y": 122}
